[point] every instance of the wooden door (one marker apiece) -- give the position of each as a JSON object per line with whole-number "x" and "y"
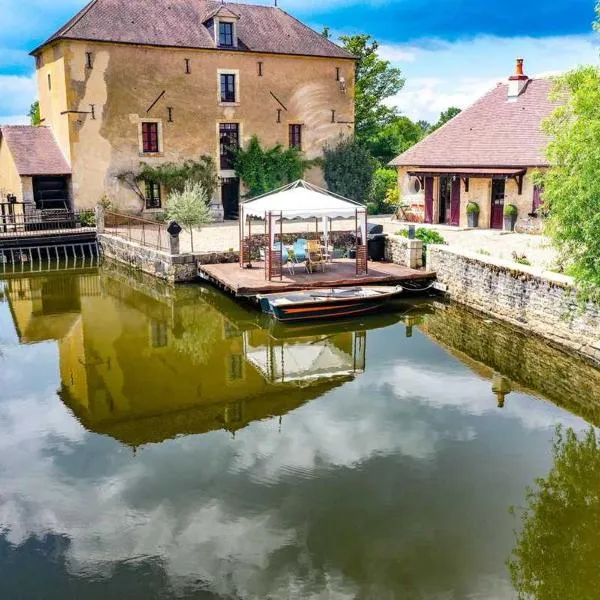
{"x": 428, "y": 199}
{"x": 497, "y": 212}
{"x": 455, "y": 202}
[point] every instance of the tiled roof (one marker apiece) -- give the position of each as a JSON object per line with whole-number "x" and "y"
{"x": 492, "y": 132}
{"x": 181, "y": 23}
{"x": 34, "y": 150}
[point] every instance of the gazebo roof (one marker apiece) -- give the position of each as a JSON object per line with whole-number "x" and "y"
{"x": 301, "y": 200}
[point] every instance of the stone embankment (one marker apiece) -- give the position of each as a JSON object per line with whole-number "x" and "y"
{"x": 541, "y": 302}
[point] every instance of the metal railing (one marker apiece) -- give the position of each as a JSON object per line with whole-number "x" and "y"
{"x": 145, "y": 232}
{"x": 46, "y": 221}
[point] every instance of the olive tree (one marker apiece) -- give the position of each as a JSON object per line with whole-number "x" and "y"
{"x": 189, "y": 207}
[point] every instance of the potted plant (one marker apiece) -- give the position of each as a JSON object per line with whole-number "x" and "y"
{"x": 510, "y": 217}
{"x": 473, "y": 214}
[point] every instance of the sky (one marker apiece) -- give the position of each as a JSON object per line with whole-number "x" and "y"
{"x": 450, "y": 51}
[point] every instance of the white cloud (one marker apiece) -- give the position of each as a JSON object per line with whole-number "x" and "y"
{"x": 16, "y": 95}
{"x": 396, "y": 53}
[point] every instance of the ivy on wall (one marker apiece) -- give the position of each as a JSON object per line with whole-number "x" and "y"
{"x": 263, "y": 170}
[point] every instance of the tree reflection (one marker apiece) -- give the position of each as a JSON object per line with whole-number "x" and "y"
{"x": 558, "y": 549}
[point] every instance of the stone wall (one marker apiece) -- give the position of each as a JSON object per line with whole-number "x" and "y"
{"x": 405, "y": 252}
{"x": 172, "y": 268}
{"x": 542, "y": 302}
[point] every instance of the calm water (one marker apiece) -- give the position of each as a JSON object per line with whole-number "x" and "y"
{"x": 173, "y": 444}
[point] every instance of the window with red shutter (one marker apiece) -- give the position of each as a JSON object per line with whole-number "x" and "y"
{"x": 296, "y": 136}
{"x": 537, "y": 198}
{"x": 150, "y": 138}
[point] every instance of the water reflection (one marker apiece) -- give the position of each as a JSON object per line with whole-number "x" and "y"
{"x": 365, "y": 459}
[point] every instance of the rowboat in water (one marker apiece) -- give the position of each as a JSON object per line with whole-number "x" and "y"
{"x": 326, "y": 303}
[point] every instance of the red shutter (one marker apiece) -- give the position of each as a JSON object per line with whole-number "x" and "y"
{"x": 537, "y": 198}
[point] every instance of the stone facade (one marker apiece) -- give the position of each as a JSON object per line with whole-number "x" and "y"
{"x": 405, "y": 252}
{"x": 480, "y": 191}
{"x": 129, "y": 84}
{"x": 541, "y": 302}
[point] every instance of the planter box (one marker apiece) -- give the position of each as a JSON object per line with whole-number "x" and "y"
{"x": 509, "y": 223}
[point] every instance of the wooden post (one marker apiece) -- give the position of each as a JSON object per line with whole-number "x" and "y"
{"x": 281, "y": 245}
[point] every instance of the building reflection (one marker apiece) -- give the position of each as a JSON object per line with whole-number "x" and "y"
{"x": 145, "y": 363}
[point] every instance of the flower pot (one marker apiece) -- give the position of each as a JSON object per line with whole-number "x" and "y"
{"x": 509, "y": 222}
{"x": 473, "y": 219}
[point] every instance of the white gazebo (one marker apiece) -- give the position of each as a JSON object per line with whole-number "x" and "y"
{"x": 299, "y": 200}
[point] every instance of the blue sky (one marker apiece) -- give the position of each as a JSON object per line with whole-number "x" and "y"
{"x": 450, "y": 51}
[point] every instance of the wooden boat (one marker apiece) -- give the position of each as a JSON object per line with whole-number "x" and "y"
{"x": 326, "y": 303}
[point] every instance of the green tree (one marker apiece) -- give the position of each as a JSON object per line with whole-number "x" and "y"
{"x": 425, "y": 126}
{"x": 395, "y": 138}
{"x": 445, "y": 116}
{"x": 376, "y": 80}
{"x": 34, "y": 113}
{"x": 264, "y": 170}
{"x": 189, "y": 208}
{"x": 558, "y": 548}
{"x": 571, "y": 184}
{"x": 348, "y": 169}
{"x": 384, "y": 180}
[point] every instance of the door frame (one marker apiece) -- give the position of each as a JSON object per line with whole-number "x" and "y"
{"x": 499, "y": 179}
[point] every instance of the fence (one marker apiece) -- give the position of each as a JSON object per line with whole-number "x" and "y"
{"x": 151, "y": 234}
{"x": 46, "y": 221}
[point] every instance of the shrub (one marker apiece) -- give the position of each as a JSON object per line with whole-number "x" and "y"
{"x": 384, "y": 180}
{"x": 372, "y": 208}
{"x": 348, "y": 170}
{"x": 510, "y": 210}
{"x": 473, "y": 208}
{"x": 427, "y": 236}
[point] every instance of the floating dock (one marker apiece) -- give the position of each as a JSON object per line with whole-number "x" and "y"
{"x": 248, "y": 283}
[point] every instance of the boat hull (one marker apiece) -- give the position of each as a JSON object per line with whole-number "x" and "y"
{"x": 325, "y": 310}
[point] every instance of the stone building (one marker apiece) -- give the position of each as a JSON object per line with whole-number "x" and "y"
{"x": 487, "y": 154}
{"x": 131, "y": 81}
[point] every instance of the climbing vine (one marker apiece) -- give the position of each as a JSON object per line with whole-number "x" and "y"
{"x": 263, "y": 170}
{"x": 173, "y": 177}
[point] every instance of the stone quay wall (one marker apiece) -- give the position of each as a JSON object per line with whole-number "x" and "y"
{"x": 402, "y": 251}
{"x": 174, "y": 268}
{"x": 538, "y": 301}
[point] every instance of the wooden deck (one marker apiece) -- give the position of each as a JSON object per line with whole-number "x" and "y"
{"x": 341, "y": 273}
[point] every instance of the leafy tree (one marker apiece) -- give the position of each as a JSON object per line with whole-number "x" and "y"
{"x": 376, "y": 80}
{"x": 189, "y": 208}
{"x": 424, "y": 125}
{"x": 34, "y": 113}
{"x": 571, "y": 184}
{"x": 445, "y": 116}
{"x": 326, "y": 33}
{"x": 348, "y": 169}
{"x": 395, "y": 138}
{"x": 384, "y": 180}
{"x": 558, "y": 548}
{"x": 264, "y": 170}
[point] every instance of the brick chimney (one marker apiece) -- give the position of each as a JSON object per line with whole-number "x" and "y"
{"x": 517, "y": 82}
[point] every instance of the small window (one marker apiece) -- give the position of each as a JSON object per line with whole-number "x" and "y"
{"x": 150, "y": 138}
{"x": 228, "y": 87}
{"x": 49, "y": 81}
{"x": 229, "y": 140}
{"x": 416, "y": 185}
{"x": 296, "y": 136}
{"x": 153, "y": 199}
{"x": 226, "y": 35}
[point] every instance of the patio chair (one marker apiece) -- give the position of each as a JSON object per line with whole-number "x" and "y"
{"x": 285, "y": 257}
{"x": 299, "y": 254}
{"x": 315, "y": 256}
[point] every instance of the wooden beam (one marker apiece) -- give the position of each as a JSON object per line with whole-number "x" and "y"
{"x": 278, "y": 101}
{"x": 154, "y": 103}
{"x": 466, "y": 181}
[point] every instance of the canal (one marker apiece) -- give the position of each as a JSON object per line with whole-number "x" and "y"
{"x": 170, "y": 443}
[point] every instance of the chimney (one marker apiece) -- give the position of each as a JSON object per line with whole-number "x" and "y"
{"x": 517, "y": 82}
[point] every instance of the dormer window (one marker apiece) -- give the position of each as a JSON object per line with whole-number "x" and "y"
{"x": 225, "y": 34}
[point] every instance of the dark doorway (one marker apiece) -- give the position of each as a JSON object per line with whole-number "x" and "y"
{"x": 50, "y": 192}
{"x": 230, "y": 196}
{"x": 455, "y": 202}
{"x": 445, "y": 196}
{"x": 229, "y": 140}
{"x": 497, "y": 213}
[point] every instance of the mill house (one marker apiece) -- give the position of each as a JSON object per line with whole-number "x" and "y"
{"x": 132, "y": 81}
{"x": 487, "y": 154}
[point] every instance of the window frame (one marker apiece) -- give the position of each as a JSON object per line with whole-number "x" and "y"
{"x": 225, "y": 35}
{"x": 227, "y": 79}
{"x": 225, "y": 163}
{"x": 152, "y": 196}
{"x": 144, "y": 149}
{"x": 295, "y": 136}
